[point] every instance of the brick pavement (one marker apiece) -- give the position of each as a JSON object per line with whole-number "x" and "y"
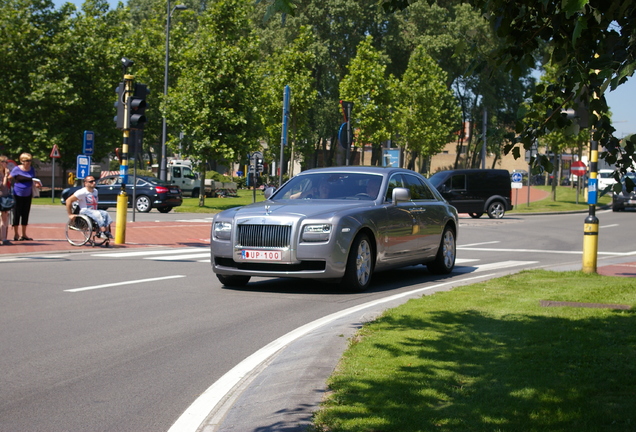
{"x": 51, "y": 237}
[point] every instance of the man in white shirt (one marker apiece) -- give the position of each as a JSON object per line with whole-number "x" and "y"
{"x": 87, "y": 199}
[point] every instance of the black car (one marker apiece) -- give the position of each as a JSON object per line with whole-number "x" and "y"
{"x": 150, "y": 192}
{"x": 624, "y": 199}
{"x": 476, "y": 191}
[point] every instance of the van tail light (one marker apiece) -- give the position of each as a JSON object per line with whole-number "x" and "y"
{"x": 161, "y": 189}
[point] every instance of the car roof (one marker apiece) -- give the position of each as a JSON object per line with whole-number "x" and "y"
{"x": 357, "y": 169}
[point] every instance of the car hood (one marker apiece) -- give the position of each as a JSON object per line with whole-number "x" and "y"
{"x": 299, "y": 209}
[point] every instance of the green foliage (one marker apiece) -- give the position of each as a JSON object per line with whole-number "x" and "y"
{"x": 289, "y": 65}
{"x": 488, "y": 357}
{"x": 216, "y": 97}
{"x": 428, "y": 112}
{"x": 372, "y": 91}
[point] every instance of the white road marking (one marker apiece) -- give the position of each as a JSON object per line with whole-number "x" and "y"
{"x": 492, "y": 266}
{"x": 180, "y": 257}
{"x": 543, "y": 251}
{"x": 478, "y": 244}
{"x": 94, "y": 287}
{"x": 216, "y": 393}
{"x": 145, "y": 253}
{"x": 464, "y": 260}
{"x": 609, "y": 226}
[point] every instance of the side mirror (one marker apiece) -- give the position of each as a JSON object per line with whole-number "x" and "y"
{"x": 269, "y": 192}
{"x": 401, "y": 195}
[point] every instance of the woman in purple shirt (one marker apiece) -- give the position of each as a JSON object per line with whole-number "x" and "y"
{"x": 22, "y": 178}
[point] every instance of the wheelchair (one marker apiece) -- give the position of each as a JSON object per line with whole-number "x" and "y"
{"x": 82, "y": 229}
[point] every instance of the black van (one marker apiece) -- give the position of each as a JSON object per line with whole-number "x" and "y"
{"x": 475, "y": 191}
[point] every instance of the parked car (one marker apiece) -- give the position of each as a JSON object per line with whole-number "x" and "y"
{"x": 150, "y": 192}
{"x": 605, "y": 178}
{"x": 337, "y": 224}
{"x": 624, "y": 199}
{"x": 476, "y": 191}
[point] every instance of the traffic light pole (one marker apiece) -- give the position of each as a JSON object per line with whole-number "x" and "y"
{"x": 122, "y": 198}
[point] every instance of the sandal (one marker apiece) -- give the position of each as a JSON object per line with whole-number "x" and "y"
{"x": 26, "y": 238}
{"x": 16, "y": 238}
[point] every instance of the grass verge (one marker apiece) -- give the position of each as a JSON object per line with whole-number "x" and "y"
{"x": 565, "y": 201}
{"x": 488, "y": 357}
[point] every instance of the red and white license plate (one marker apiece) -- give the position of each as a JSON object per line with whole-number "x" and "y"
{"x": 261, "y": 255}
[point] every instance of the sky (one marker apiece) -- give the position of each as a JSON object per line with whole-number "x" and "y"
{"x": 621, "y": 101}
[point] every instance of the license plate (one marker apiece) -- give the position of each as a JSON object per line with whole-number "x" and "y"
{"x": 174, "y": 191}
{"x": 631, "y": 202}
{"x": 261, "y": 255}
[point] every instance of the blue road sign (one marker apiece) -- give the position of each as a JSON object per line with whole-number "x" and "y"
{"x": 89, "y": 141}
{"x": 83, "y": 166}
{"x": 516, "y": 177}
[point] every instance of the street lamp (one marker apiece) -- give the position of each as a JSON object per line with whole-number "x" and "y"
{"x": 164, "y": 163}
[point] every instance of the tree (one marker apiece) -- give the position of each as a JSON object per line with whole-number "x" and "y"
{"x": 371, "y": 91}
{"x": 428, "y": 112}
{"x": 216, "y": 99}
{"x": 292, "y": 66}
{"x": 590, "y": 41}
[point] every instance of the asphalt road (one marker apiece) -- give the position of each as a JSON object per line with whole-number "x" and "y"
{"x": 128, "y": 340}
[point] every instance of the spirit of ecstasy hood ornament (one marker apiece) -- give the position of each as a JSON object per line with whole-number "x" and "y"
{"x": 267, "y": 212}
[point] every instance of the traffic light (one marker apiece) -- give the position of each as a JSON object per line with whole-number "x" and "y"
{"x": 121, "y": 97}
{"x": 137, "y": 106}
{"x": 259, "y": 165}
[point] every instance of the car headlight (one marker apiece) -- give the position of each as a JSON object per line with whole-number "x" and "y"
{"x": 316, "y": 233}
{"x": 222, "y": 230}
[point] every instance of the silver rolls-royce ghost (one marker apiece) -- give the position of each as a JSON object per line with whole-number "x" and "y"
{"x": 338, "y": 224}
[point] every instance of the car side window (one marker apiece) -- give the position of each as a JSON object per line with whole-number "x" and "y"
{"x": 176, "y": 172}
{"x": 457, "y": 182}
{"x": 394, "y": 181}
{"x": 419, "y": 190}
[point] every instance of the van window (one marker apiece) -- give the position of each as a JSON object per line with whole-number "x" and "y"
{"x": 419, "y": 190}
{"x": 176, "y": 172}
{"x": 456, "y": 182}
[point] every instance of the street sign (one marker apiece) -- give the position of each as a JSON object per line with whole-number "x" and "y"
{"x": 83, "y": 166}
{"x": 516, "y": 185}
{"x": 55, "y": 152}
{"x": 88, "y": 145}
{"x": 516, "y": 177}
{"x": 578, "y": 168}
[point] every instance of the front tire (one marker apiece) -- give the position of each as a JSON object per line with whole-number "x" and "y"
{"x": 164, "y": 209}
{"x": 233, "y": 281}
{"x": 496, "y": 210}
{"x": 445, "y": 258}
{"x": 143, "y": 204}
{"x": 475, "y": 215}
{"x": 360, "y": 265}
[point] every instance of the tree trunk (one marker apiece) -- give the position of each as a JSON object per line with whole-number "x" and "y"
{"x": 202, "y": 186}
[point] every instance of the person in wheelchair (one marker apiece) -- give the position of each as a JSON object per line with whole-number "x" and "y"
{"x": 87, "y": 200}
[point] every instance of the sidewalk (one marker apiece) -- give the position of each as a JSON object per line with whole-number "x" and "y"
{"x": 51, "y": 237}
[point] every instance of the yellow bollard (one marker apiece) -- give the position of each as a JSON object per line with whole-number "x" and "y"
{"x": 122, "y": 208}
{"x": 590, "y": 244}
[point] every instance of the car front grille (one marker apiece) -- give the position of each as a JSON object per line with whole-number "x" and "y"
{"x": 264, "y": 236}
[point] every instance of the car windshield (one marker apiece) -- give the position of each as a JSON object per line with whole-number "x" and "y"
{"x": 319, "y": 186}
{"x": 438, "y": 178}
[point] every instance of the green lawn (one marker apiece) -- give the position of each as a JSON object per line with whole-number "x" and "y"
{"x": 489, "y": 357}
{"x": 566, "y": 201}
